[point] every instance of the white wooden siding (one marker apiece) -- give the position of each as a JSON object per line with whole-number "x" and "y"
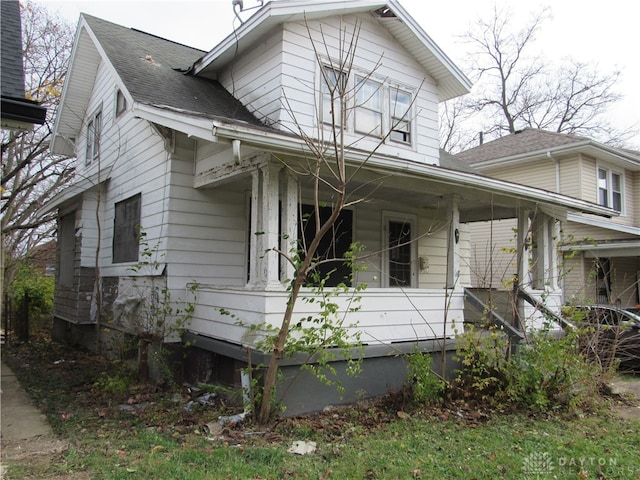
{"x": 385, "y": 316}
{"x": 283, "y": 66}
{"x": 491, "y": 245}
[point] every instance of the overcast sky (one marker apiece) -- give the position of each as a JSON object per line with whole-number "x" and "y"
{"x": 603, "y": 33}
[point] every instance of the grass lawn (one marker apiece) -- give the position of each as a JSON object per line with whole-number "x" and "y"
{"x": 139, "y": 433}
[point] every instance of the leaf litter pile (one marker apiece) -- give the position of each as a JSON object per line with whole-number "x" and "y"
{"x": 72, "y": 386}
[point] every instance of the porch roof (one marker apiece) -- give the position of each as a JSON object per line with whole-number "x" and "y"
{"x": 481, "y": 197}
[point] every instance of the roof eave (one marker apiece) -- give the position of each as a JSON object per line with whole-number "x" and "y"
{"x": 282, "y": 143}
{"x": 589, "y": 147}
{"x": 450, "y": 85}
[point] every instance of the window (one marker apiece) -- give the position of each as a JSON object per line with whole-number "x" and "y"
{"x": 368, "y": 111}
{"x": 67, "y": 246}
{"x": 400, "y": 116}
{"x": 126, "y": 230}
{"x": 121, "y": 103}
{"x": 94, "y": 129}
{"x": 331, "y": 84}
{"x": 333, "y": 245}
{"x": 610, "y": 189}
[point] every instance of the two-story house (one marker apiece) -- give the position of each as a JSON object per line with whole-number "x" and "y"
{"x": 600, "y": 258}
{"x": 208, "y": 154}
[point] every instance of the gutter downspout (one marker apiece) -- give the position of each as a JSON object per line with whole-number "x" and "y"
{"x": 557, "y": 165}
{"x": 560, "y": 277}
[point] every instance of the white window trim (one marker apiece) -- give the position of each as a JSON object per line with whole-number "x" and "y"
{"x": 610, "y": 172}
{"x": 93, "y": 136}
{"x": 411, "y": 219}
{"x": 120, "y": 94}
{"x": 387, "y": 112}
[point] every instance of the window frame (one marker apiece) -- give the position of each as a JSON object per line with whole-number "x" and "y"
{"x": 94, "y": 133}
{"x": 121, "y": 103}
{"x": 396, "y": 120}
{"x": 368, "y": 93}
{"x": 606, "y": 193}
{"x": 326, "y": 95}
{"x": 129, "y": 228}
{"x": 387, "y": 91}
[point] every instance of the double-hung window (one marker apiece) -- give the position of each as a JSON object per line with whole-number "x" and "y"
{"x": 94, "y": 130}
{"x": 332, "y": 85}
{"x": 400, "y": 116}
{"x": 368, "y": 110}
{"x": 610, "y": 189}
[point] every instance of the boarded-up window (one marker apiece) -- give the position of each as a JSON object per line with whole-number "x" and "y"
{"x": 126, "y": 230}
{"x": 334, "y": 245}
{"x": 67, "y": 245}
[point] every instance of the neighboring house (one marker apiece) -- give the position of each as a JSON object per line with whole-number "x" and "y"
{"x": 197, "y": 148}
{"x": 16, "y": 111}
{"x": 601, "y": 256}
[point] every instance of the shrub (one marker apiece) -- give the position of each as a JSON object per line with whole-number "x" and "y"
{"x": 546, "y": 373}
{"x": 425, "y": 386}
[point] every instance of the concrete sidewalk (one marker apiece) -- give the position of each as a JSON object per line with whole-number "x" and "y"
{"x": 24, "y": 430}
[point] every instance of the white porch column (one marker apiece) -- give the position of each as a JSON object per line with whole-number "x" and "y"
{"x": 254, "y": 240}
{"x": 289, "y": 223}
{"x": 453, "y": 246}
{"x": 522, "y": 254}
{"x": 270, "y": 215}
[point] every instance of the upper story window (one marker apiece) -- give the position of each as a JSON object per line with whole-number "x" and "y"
{"x": 121, "y": 103}
{"x": 375, "y": 108}
{"x": 368, "y": 109}
{"x": 94, "y": 130}
{"x": 331, "y": 84}
{"x": 400, "y": 116}
{"x": 610, "y": 189}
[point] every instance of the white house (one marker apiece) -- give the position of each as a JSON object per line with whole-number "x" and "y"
{"x": 205, "y": 151}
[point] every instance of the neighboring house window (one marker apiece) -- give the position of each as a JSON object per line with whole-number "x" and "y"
{"x": 368, "y": 111}
{"x": 126, "y": 230}
{"x": 399, "y": 251}
{"x": 610, "y": 189}
{"x": 335, "y": 244}
{"x": 400, "y": 116}
{"x": 331, "y": 84}
{"x": 67, "y": 246}
{"x": 121, "y": 103}
{"x": 94, "y": 129}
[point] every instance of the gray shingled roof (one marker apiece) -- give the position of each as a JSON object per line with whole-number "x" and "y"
{"x": 521, "y": 142}
{"x": 454, "y": 163}
{"x": 12, "y": 82}
{"x": 148, "y": 65}
{"x": 14, "y": 106}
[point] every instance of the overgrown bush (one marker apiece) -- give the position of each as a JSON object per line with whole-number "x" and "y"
{"x": 545, "y": 373}
{"x": 32, "y": 284}
{"x": 425, "y": 387}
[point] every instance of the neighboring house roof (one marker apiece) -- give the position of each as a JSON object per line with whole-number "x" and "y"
{"x": 532, "y": 144}
{"x": 391, "y": 15}
{"x": 152, "y": 72}
{"x": 17, "y": 111}
{"x": 452, "y": 162}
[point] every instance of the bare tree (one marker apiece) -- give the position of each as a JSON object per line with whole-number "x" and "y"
{"x": 328, "y": 169}
{"x": 517, "y": 88}
{"x": 30, "y": 174}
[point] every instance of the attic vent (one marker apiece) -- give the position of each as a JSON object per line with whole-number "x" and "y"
{"x": 385, "y": 12}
